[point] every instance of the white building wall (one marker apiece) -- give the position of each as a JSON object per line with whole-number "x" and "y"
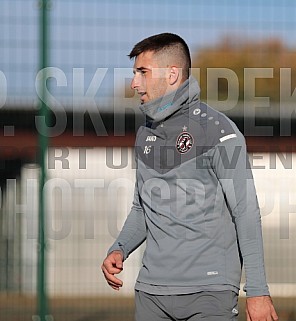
{"x": 88, "y": 201}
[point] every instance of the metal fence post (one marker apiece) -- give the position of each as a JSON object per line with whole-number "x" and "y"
{"x": 42, "y": 304}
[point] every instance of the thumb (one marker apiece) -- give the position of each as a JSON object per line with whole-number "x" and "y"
{"x": 273, "y": 314}
{"x": 119, "y": 261}
{"x": 248, "y": 315}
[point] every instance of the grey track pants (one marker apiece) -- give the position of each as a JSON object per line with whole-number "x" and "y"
{"x": 206, "y": 306}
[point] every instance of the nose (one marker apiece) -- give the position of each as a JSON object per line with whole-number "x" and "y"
{"x": 135, "y": 82}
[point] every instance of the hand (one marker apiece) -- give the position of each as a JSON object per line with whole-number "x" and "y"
{"x": 113, "y": 264}
{"x": 260, "y": 308}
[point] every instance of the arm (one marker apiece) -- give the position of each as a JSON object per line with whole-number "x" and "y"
{"x": 233, "y": 171}
{"x": 131, "y": 237}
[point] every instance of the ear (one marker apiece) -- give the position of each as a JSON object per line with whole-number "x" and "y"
{"x": 175, "y": 75}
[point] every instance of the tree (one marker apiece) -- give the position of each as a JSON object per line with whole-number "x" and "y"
{"x": 237, "y": 55}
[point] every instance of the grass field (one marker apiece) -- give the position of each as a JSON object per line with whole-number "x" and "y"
{"x": 23, "y": 308}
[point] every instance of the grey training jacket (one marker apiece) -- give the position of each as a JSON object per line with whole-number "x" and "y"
{"x": 195, "y": 202}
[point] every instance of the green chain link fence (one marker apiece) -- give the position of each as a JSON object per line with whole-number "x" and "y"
{"x": 53, "y": 273}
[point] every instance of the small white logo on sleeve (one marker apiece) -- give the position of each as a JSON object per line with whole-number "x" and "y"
{"x": 213, "y": 273}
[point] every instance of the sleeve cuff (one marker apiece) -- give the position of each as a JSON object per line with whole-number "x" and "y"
{"x": 118, "y": 247}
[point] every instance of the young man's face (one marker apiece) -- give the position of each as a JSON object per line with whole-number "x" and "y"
{"x": 149, "y": 80}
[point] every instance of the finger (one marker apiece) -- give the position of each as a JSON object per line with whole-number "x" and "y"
{"x": 113, "y": 285}
{"x": 248, "y": 315}
{"x": 111, "y": 282}
{"x": 274, "y": 314}
{"x": 111, "y": 278}
{"x": 111, "y": 267}
{"x": 118, "y": 261}
{"x": 112, "y": 270}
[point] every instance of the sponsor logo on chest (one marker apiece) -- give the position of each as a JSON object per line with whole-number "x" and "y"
{"x": 150, "y": 138}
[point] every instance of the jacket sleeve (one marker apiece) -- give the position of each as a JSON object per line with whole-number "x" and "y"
{"x": 233, "y": 170}
{"x": 134, "y": 230}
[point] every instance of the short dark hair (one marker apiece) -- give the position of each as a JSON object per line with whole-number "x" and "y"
{"x": 163, "y": 42}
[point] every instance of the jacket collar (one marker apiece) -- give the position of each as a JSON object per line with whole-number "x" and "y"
{"x": 161, "y": 108}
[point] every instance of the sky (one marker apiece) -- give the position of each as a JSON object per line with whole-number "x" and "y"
{"x": 95, "y": 34}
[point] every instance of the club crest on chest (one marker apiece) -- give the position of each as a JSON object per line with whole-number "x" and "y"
{"x": 184, "y": 142}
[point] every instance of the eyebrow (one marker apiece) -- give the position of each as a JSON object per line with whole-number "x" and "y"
{"x": 140, "y": 69}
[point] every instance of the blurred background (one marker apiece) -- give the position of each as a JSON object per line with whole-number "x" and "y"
{"x": 72, "y": 55}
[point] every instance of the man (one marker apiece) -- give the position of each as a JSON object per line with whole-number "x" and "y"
{"x": 194, "y": 202}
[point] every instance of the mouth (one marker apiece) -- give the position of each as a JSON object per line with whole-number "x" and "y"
{"x": 142, "y": 96}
